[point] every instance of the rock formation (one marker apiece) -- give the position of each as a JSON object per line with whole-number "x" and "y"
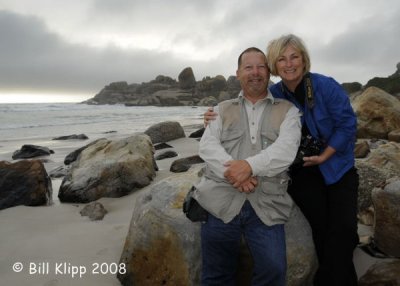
{"x": 165, "y": 91}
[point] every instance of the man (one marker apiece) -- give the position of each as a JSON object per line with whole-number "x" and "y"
{"x": 247, "y": 151}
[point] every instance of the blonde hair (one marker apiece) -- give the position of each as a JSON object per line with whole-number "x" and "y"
{"x": 276, "y": 48}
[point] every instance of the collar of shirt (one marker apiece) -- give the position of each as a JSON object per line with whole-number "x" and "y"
{"x": 254, "y": 113}
{"x": 268, "y": 97}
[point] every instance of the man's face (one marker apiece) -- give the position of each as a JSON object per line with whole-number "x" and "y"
{"x": 253, "y": 75}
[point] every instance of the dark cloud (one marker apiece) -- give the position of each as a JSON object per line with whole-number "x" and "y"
{"x": 34, "y": 58}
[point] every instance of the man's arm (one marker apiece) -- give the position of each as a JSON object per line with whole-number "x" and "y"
{"x": 211, "y": 150}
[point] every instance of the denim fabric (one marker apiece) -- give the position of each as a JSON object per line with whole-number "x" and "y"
{"x": 220, "y": 244}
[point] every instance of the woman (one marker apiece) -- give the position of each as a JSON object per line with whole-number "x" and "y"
{"x": 325, "y": 183}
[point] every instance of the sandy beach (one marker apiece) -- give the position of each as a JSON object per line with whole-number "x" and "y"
{"x": 44, "y": 239}
{"x": 55, "y": 246}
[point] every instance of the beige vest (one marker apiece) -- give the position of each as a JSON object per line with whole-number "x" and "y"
{"x": 270, "y": 199}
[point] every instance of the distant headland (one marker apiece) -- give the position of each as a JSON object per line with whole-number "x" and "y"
{"x": 186, "y": 91}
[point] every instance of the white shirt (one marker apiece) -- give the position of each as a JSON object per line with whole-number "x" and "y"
{"x": 272, "y": 160}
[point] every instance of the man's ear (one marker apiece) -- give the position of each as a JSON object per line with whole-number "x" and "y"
{"x": 237, "y": 74}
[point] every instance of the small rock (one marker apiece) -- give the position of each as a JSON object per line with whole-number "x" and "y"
{"x": 184, "y": 164}
{"x": 74, "y": 136}
{"x": 197, "y": 134}
{"x": 94, "y": 210}
{"x": 166, "y": 154}
{"x": 31, "y": 151}
{"x": 162, "y": 146}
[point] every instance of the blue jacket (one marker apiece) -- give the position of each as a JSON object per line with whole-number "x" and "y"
{"x": 332, "y": 120}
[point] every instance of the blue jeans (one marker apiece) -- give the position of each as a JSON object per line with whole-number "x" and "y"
{"x": 220, "y": 245}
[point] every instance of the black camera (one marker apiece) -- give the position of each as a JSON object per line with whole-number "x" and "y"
{"x": 309, "y": 146}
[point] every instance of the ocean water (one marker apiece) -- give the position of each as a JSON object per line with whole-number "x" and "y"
{"x": 38, "y": 123}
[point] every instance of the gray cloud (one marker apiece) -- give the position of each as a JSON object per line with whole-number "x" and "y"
{"x": 370, "y": 47}
{"x": 84, "y": 47}
{"x": 33, "y": 57}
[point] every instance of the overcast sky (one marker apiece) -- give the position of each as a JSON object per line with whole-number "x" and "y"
{"x": 79, "y": 46}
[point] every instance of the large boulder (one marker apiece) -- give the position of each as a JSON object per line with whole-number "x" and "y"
{"x": 370, "y": 177}
{"x": 109, "y": 169}
{"x": 24, "y": 183}
{"x": 163, "y": 247}
{"x": 387, "y": 220}
{"x": 386, "y": 157}
{"x": 378, "y": 113}
{"x": 165, "y": 131}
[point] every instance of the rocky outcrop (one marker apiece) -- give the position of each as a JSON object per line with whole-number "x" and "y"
{"x": 390, "y": 84}
{"x": 163, "y": 246}
{"x": 165, "y": 91}
{"x": 24, "y": 183}
{"x": 165, "y": 131}
{"x": 351, "y": 87}
{"x": 109, "y": 169}
{"x": 31, "y": 151}
{"x": 378, "y": 113}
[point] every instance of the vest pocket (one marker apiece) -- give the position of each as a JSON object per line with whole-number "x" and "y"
{"x": 273, "y": 185}
{"x": 267, "y": 138}
{"x": 230, "y": 138}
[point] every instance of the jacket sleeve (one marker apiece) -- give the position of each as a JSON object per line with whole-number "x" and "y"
{"x": 343, "y": 118}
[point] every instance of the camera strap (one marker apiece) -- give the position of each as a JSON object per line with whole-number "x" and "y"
{"x": 310, "y": 97}
{"x": 309, "y": 91}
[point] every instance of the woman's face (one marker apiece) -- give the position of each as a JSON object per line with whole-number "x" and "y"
{"x": 290, "y": 66}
